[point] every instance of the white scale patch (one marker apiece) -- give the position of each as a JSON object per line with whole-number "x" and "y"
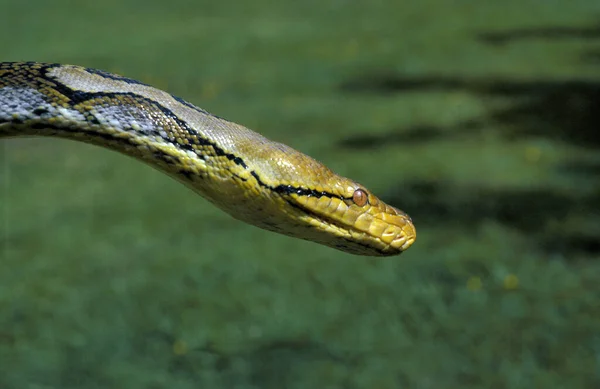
{"x": 120, "y": 117}
{"x": 126, "y": 118}
{"x": 20, "y": 104}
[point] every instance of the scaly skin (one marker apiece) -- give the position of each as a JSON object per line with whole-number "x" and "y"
{"x": 256, "y": 180}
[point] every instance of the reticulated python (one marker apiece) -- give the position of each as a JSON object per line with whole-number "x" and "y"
{"x": 261, "y": 182}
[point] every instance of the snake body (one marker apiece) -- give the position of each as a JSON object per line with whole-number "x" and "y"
{"x": 256, "y": 180}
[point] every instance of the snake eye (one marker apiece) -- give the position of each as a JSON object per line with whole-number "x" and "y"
{"x": 360, "y": 197}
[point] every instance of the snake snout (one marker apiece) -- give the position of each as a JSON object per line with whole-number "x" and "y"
{"x": 401, "y": 223}
{"x": 400, "y": 212}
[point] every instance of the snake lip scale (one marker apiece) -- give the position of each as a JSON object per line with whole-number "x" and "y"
{"x": 256, "y": 180}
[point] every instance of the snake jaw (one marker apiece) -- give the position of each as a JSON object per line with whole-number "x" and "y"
{"x": 374, "y": 229}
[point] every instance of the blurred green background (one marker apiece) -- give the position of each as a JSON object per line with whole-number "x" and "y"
{"x": 481, "y": 119}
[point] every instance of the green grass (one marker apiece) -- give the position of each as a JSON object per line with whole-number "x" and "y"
{"x": 112, "y": 275}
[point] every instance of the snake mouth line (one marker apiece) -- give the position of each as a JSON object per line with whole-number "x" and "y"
{"x": 334, "y": 223}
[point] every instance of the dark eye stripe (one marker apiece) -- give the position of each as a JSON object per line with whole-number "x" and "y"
{"x": 290, "y": 189}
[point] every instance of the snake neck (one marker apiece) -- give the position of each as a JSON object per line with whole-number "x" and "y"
{"x": 119, "y": 114}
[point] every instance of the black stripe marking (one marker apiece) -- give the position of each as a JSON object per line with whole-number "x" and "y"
{"x": 198, "y": 109}
{"x": 78, "y": 97}
{"x": 190, "y": 105}
{"x": 115, "y": 77}
{"x": 127, "y": 80}
{"x": 289, "y": 189}
{"x": 40, "y": 111}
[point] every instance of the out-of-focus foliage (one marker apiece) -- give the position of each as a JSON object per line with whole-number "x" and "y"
{"x": 479, "y": 119}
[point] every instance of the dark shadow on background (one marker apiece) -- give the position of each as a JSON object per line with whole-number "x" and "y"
{"x": 272, "y": 364}
{"x": 581, "y": 168}
{"x": 538, "y": 213}
{"x": 544, "y": 33}
{"x": 275, "y": 363}
{"x": 591, "y": 57}
{"x": 413, "y": 135}
{"x": 567, "y": 110}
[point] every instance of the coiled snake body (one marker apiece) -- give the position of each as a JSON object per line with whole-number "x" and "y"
{"x": 256, "y": 180}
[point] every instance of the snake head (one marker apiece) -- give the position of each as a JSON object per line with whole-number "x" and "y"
{"x": 350, "y": 218}
{"x": 316, "y": 204}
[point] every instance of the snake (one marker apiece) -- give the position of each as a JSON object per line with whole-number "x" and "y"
{"x": 256, "y": 180}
